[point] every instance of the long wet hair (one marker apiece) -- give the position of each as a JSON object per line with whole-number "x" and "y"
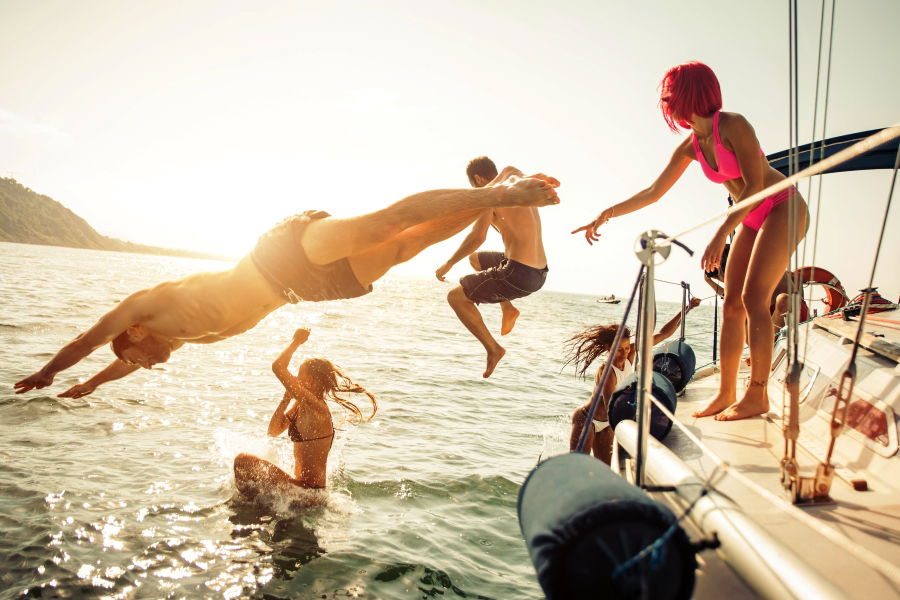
{"x": 586, "y": 347}
{"x": 330, "y": 381}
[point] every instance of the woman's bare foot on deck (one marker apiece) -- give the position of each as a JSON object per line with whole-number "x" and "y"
{"x": 493, "y": 358}
{"x": 510, "y": 315}
{"x": 716, "y": 405}
{"x": 755, "y": 402}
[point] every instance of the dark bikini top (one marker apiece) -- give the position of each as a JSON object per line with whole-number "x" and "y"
{"x": 295, "y": 435}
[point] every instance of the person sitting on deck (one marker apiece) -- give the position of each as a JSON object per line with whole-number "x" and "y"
{"x": 587, "y": 346}
{"x": 308, "y": 423}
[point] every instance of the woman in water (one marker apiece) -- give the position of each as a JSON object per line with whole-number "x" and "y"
{"x": 585, "y": 348}
{"x": 726, "y": 147}
{"x": 308, "y": 423}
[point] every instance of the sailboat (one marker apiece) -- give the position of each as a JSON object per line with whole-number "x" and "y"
{"x": 805, "y": 501}
{"x": 802, "y": 502}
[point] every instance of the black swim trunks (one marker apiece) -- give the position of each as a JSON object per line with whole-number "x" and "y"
{"x": 279, "y": 256}
{"x": 501, "y": 279}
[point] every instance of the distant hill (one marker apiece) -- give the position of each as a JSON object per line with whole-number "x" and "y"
{"x": 27, "y": 217}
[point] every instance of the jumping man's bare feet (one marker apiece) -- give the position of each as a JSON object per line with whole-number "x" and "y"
{"x": 755, "y": 402}
{"x": 527, "y": 192}
{"x": 493, "y": 358}
{"x": 510, "y": 314}
{"x": 716, "y": 405}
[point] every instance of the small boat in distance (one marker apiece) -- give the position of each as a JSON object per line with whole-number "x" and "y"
{"x": 611, "y": 299}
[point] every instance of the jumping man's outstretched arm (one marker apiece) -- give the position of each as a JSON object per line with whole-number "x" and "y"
{"x": 124, "y": 315}
{"x": 473, "y": 241}
{"x": 116, "y": 370}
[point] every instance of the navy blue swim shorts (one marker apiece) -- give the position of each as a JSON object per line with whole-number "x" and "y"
{"x": 501, "y": 279}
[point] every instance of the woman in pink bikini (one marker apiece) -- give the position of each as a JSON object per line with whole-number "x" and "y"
{"x": 726, "y": 147}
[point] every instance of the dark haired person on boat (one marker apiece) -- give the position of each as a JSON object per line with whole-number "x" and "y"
{"x": 584, "y": 349}
{"x": 311, "y": 256}
{"x": 779, "y": 303}
{"x": 308, "y": 423}
{"x": 500, "y": 277}
{"x": 729, "y": 153}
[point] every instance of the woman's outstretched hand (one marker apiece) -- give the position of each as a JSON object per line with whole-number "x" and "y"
{"x": 301, "y": 335}
{"x": 590, "y": 230}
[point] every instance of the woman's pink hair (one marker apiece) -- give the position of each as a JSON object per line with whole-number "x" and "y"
{"x": 689, "y": 89}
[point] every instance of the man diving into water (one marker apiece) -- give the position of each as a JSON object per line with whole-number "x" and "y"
{"x": 311, "y": 256}
{"x": 501, "y": 277}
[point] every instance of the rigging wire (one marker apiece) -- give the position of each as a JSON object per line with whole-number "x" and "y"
{"x": 815, "y": 241}
{"x": 887, "y": 209}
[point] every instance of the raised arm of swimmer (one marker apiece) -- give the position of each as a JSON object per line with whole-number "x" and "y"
{"x": 280, "y": 368}
{"x": 669, "y": 328}
{"x": 678, "y": 163}
{"x": 124, "y": 315}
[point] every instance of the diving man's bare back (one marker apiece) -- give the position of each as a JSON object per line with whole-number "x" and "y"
{"x": 207, "y": 307}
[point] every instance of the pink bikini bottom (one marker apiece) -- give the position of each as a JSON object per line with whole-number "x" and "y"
{"x": 755, "y": 217}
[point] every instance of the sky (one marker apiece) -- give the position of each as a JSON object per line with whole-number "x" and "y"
{"x": 200, "y": 124}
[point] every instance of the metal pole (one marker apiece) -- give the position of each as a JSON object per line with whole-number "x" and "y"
{"x": 685, "y": 292}
{"x": 645, "y": 372}
{"x": 716, "y": 329}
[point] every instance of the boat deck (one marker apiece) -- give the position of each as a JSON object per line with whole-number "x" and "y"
{"x": 754, "y": 448}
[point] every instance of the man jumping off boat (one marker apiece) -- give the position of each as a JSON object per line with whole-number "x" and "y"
{"x": 518, "y": 271}
{"x": 311, "y": 256}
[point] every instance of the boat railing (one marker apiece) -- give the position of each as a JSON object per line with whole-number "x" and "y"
{"x": 652, "y": 248}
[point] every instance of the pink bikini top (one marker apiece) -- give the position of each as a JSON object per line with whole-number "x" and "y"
{"x": 728, "y": 163}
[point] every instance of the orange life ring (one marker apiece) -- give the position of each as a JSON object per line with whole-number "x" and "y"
{"x": 835, "y": 295}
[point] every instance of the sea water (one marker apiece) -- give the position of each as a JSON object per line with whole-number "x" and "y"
{"x": 129, "y": 492}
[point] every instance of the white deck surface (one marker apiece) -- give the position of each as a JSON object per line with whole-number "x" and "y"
{"x": 754, "y": 448}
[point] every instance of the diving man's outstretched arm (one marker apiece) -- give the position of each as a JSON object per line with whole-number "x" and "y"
{"x": 116, "y": 370}
{"x": 108, "y": 327}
